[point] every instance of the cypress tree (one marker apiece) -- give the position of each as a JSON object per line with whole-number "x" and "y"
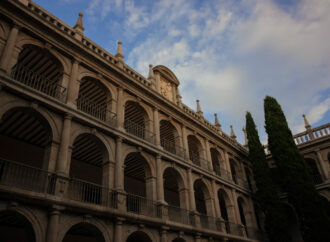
{"x": 276, "y": 224}
{"x": 295, "y": 174}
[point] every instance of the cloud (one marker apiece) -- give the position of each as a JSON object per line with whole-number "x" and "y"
{"x": 230, "y": 56}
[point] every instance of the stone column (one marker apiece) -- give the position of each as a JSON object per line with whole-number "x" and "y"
{"x": 8, "y": 49}
{"x": 236, "y": 210}
{"x": 120, "y": 109}
{"x": 191, "y": 191}
{"x": 163, "y": 234}
{"x": 159, "y": 179}
{"x": 156, "y": 127}
{"x": 323, "y": 169}
{"x": 73, "y": 86}
{"x": 208, "y": 154}
{"x": 119, "y": 229}
{"x": 119, "y": 184}
{"x": 52, "y": 227}
{"x": 216, "y": 200}
{"x": 198, "y": 237}
{"x": 227, "y": 164}
{"x": 185, "y": 141}
{"x": 62, "y": 159}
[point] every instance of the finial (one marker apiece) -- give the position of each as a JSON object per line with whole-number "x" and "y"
{"x": 199, "y": 110}
{"x": 79, "y": 24}
{"x": 232, "y": 133}
{"x": 245, "y": 136}
{"x": 216, "y": 121}
{"x": 307, "y": 125}
{"x": 120, "y": 55}
{"x": 151, "y": 75}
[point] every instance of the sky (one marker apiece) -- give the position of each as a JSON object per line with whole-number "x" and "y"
{"x": 229, "y": 54}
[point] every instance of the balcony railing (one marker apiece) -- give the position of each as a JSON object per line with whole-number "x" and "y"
{"x": 139, "y": 131}
{"x": 212, "y": 223}
{"x": 172, "y": 147}
{"x": 26, "y": 177}
{"x": 256, "y": 234}
{"x": 179, "y": 215}
{"x": 29, "y": 178}
{"x": 142, "y": 205}
{"x": 87, "y": 192}
{"x": 240, "y": 182}
{"x": 97, "y": 110}
{"x": 38, "y": 82}
{"x": 199, "y": 161}
{"x": 222, "y": 173}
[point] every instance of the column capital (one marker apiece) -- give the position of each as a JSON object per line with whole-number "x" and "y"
{"x": 76, "y": 60}
{"x": 120, "y": 220}
{"x": 119, "y": 139}
{"x": 158, "y": 156}
{"x": 16, "y": 25}
{"x": 68, "y": 116}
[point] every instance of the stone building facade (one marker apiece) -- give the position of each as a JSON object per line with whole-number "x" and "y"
{"x": 93, "y": 151}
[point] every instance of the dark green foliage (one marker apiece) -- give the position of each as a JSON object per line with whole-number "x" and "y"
{"x": 295, "y": 174}
{"x": 276, "y": 224}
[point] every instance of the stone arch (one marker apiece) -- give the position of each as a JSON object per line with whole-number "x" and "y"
{"x": 174, "y": 187}
{"x": 138, "y": 179}
{"x": 169, "y": 137}
{"x": 89, "y": 154}
{"x": 84, "y": 231}
{"x": 178, "y": 240}
{"x": 87, "y": 74}
{"x": 137, "y": 121}
{"x": 93, "y": 222}
{"x": 195, "y": 149}
{"x": 217, "y": 161}
{"x": 94, "y": 98}
{"x": 27, "y": 225}
{"x": 173, "y": 122}
{"x": 234, "y": 169}
{"x": 244, "y": 212}
{"x": 147, "y": 109}
{"x": 314, "y": 169}
{"x": 202, "y": 197}
{"x": 138, "y": 236}
{"x": 25, "y": 129}
{"x": 226, "y": 206}
{"x": 27, "y": 40}
{"x": 41, "y": 70}
{"x": 5, "y": 107}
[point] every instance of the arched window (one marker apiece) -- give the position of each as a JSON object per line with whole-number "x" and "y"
{"x": 138, "y": 236}
{"x": 39, "y": 69}
{"x": 138, "y": 184}
{"x": 94, "y": 98}
{"x": 137, "y": 121}
{"x": 24, "y": 137}
{"x": 26, "y": 143}
{"x": 169, "y": 138}
{"x": 15, "y": 227}
{"x": 86, "y": 168}
{"x": 84, "y": 232}
{"x": 195, "y": 150}
{"x": 216, "y": 157}
{"x": 233, "y": 170}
